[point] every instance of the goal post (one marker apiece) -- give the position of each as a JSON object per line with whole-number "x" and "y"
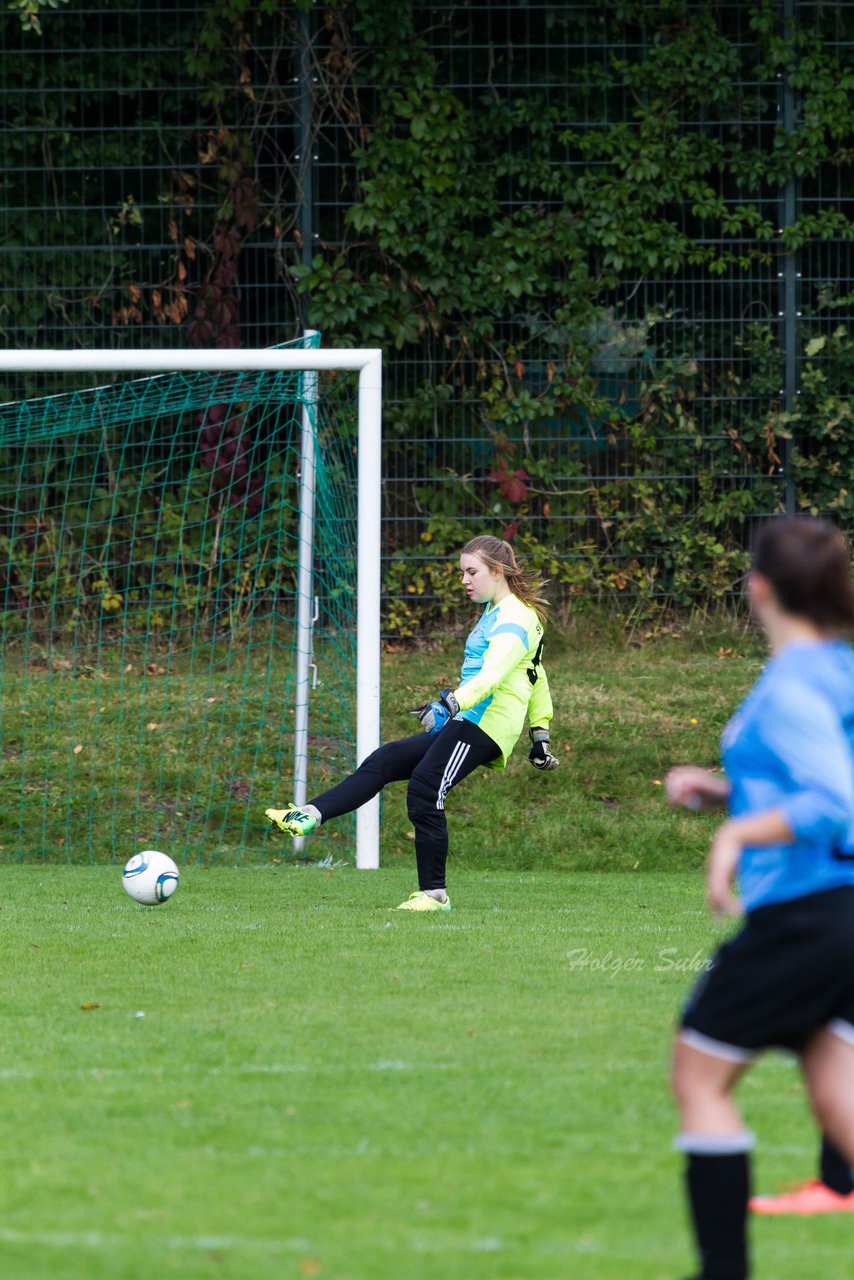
{"x": 308, "y": 362}
{"x": 305, "y": 588}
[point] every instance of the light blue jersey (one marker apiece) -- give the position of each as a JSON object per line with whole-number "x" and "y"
{"x": 790, "y": 747}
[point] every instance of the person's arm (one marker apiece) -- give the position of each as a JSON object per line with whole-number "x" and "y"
{"x": 803, "y": 733}
{"x": 540, "y": 712}
{"x": 690, "y": 787}
{"x": 507, "y": 646}
{"x": 728, "y": 843}
{"x": 540, "y": 709}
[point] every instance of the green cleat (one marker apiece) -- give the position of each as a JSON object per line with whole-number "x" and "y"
{"x": 422, "y": 901}
{"x": 292, "y": 821}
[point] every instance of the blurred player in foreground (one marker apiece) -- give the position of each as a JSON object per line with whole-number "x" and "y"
{"x": 502, "y": 684}
{"x": 786, "y": 979}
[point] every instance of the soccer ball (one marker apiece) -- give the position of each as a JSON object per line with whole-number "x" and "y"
{"x": 150, "y": 877}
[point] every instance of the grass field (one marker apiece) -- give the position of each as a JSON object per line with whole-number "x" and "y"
{"x": 273, "y": 1076}
{"x": 99, "y": 765}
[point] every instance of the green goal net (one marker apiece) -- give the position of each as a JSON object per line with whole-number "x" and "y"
{"x": 150, "y": 583}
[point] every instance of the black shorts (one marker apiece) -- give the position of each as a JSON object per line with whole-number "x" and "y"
{"x": 787, "y": 973}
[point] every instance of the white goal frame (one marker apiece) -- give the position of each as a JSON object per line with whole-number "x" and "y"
{"x": 368, "y": 362}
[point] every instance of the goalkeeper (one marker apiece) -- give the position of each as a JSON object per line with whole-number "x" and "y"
{"x": 502, "y": 685}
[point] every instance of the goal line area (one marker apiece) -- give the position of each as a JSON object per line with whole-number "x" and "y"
{"x": 189, "y": 598}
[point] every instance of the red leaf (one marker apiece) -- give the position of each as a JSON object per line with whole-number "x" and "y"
{"x": 515, "y": 488}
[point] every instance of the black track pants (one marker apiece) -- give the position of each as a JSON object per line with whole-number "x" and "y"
{"x": 432, "y": 765}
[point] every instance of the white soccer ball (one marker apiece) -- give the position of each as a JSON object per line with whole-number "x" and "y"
{"x": 150, "y": 877}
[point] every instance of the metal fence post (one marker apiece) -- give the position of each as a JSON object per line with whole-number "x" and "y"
{"x": 789, "y": 274}
{"x": 305, "y": 158}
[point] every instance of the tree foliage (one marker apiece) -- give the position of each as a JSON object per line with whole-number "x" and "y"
{"x": 583, "y": 268}
{"x": 563, "y": 261}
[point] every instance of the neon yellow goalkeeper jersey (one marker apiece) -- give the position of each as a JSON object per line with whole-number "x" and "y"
{"x": 503, "y": 681}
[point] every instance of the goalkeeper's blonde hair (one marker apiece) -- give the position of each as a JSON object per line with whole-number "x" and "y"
{"x": 526, "y": 585}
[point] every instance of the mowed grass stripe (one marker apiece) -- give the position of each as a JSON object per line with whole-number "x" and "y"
{"x": 321, "y": 1087}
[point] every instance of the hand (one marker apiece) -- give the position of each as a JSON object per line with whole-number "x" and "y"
{"x": 435, "y": 715}
{"x": 724, "y": 854}
{"x": 690, "y": 787}
{"x": 540, "y": 756}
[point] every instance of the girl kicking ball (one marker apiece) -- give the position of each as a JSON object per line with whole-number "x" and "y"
{"x": 502, "y": 685}
{"x": 787, "y": 977}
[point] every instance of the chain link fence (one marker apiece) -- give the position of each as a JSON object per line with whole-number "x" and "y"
{"x": 187, "y": 174}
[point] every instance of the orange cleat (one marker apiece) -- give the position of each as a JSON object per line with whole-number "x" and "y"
{"x": 811, "y": 1198}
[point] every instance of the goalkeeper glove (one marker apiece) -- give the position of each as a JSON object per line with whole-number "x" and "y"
{"x": 539, "y": 755}
{"x": 435, "y": 715}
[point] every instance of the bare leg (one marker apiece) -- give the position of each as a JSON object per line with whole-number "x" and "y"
{"x": 702, "y": 1086}
{"x": 828, "y": 1066}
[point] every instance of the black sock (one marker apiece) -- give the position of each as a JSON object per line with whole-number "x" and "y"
{"x": 835, "y": 1169}
{"x": 718, "y": 1191}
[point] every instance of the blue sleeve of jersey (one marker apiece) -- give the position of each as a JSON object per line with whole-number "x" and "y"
{"x": 802, "y": 729}
{"x": 511, "y": 629}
